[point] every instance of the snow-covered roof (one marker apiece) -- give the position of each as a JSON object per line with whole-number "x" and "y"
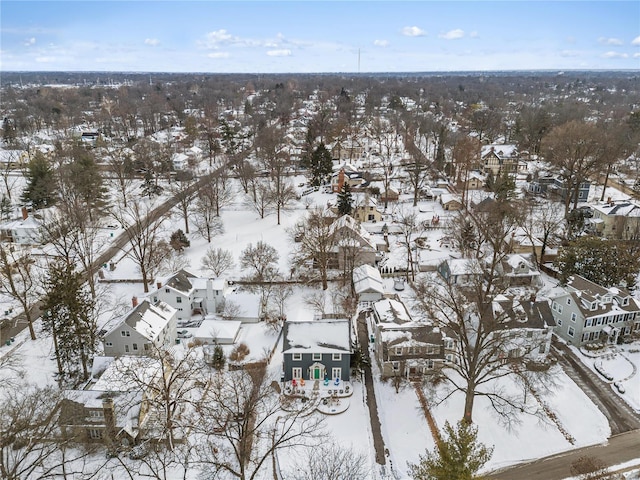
{"x": 622, "y": 209}
{"x": 248, "y": 302}
{"x": 148, "y": 319}
{"x": 367, "y": 279}
{"x": 504, "y": 151}
{"x": 450, "y": 197}
{"x": 391, "y": 313}
{"x": 213, "y": 329}
{"x": 128, "y": 373}
{"x": 318, "y": 336}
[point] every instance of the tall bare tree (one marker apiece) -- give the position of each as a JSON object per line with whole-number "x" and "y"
{"x": 19, "y": 280}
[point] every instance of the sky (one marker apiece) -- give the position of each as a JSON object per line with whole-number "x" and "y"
{"x": 318, "y": 36}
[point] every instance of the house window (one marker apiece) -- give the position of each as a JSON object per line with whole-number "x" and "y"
{"x": 398, "y": 350}
{"x": 594, "y": 335}
{"x": 95, "y": 433}
{"x": 542, "y": 348}
{"x": 336, "y": 372}
{"x": 146, "y": 347}
{"x": 573, "y": 317}
{"x": 396, "y": 366}
{"x": 155, "y": 299}
{"x": 108, "y": 344}
{"x": 178, "y": 299}
{"x": 126, "y": 348}
{"x": 317, "y": 356}
{"x": 559, "y": 321}
{"x": 336, "y": 357}
{"x": 296, "y": 372}
{"x": 593, "y": 306}
{"x": 571, "y": 331}
{"x": 568, "y": 301}
{"x": 166, "y": 290}
{"x": 588, "y": 322}
{"x": 125, "y": 333}
{"x": 96, "y": 414}
{"x": 296, "y": 356}
{"x": 430, "y": 364}
{"x": 599, "y": 321}
{"x": 585, "y": 337}
{"x": 135, "y": 347}
{"x": 448, "y": 358}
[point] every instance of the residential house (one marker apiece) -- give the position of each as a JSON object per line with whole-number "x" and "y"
{"x": 474, "y": 181}
{"x": 347, "y": 174}
{"x": 404, "y": 347}
{"x": 451, "y": 202}
{"x": 501, "y": 158}
{"x": 367, "y": 284}
{"x": 347, "y": 150}
{"x": 317, "y": 350}
{"x": 143, "y": 329}
{"x": 353, "y": 244}
{"x": 556, "y": 186}
{"x": 389, "y": 195}
{"x": 617, "y": 220}
{"x": 525, "y": 325}
{"x": 26, "y": 231}
{"x": 587, "y": 312}
{"x": 519, "y": 271}
{"x": 179, "y": 161}
{"x": 13, "y": 159}
{"x": 365, "y": 209}
{"x": 460, "y": 270}
{"x": 217, "y": 332}
{"x": 99, "y": 416}
{"x": 190, "y": 294}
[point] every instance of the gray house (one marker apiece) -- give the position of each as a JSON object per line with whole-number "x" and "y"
{"x": 587, "y": 312}
{"x": 317, "y": 350}
{"x": 367, "y": 283}
{"x": 143, "y": 329}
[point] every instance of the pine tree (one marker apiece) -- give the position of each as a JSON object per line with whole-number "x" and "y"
{"x": 504, "y": 187}
{"x": 458, "y": 457}
{"x": 179, "y": 241}
{"x": 69, "y": 318}
{"x": 218, "y": 358}
{"x": 41, "y": 186}
{"x": 82, "y": 179}
{"x": 321, "y": 165}
{"x": 345, "y": 200}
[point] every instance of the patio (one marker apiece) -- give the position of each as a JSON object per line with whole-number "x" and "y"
{"x": 326, "y": 396}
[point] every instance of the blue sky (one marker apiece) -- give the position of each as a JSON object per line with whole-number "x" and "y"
{"x": 311, "y": 36}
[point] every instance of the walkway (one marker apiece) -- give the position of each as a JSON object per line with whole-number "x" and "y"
{"x": 376, "y": 430}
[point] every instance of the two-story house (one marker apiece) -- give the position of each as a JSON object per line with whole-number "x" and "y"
{"x": 404, "y": 347}
{"x": 617, "y": 220}
{"x": 352, "y": 243}
{"x": 459, "y": 271}
{"x": 501, "y": 158}
{"x": 190, "y": 294}
{"x": 519, "y": 271}
{"x": 145, "y": 328}
{"x": 587, "y": 312}
{"x": 317, "y": 350}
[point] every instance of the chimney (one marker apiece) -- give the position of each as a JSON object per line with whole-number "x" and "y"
{"x": 25, "y": 213}
{"x": 134, "y": 301}
{"x": 109, "y": 413}
{"x": 158, "y": 285}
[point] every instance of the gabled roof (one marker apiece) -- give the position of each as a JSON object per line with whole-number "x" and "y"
{"x": 513, "y": 313}
{"x": 391, "y": 313}
{"x": 500, "y": 151}
{"x": 318, "y": 336}
{"x": 621, "y": 209}
{"x": 181, "y": 281}
{"x": 147, "y": 319}
{"x": 367, "y": 279}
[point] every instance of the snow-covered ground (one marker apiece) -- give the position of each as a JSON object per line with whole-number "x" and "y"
{"x": 404, "y": 427}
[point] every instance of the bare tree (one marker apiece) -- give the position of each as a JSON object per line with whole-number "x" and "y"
{"x": 317, "y": 301}
{"x": 184, "y": 192}
{"x": 261, "y": 260}
{"x": 260, "y": 197}
{"x": 206, "y": 218}
{"x": 143, "y": 229}
{"x": 217, "y": 260}
{"x": 19, "y": 281}
{"x": 541, "y": 222}
{"x": 317, "y": 241}
{"x": 409, "y": 226}
{"x": 243, "y": 425}
{"x": 331, "y": 461}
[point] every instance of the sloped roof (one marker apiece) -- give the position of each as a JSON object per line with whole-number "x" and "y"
{"x": 318, "y": 336}
{"x": 367, "y": 279}
{"x": 147, "y": 319}
{"x": 391, "y": 313}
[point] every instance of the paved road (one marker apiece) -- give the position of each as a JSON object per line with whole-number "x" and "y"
{"x": 619, "y": 449}
{"x": 363, "y": 339}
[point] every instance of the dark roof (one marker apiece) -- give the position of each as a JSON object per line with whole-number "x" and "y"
{"x": 180, "y": 281}
{"x": 525, "y": 314}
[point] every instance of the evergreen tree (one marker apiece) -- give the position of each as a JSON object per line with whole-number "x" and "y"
{"x": 69, "y": 318}
{"x": 605, "y": 262}
{"x": 40, "y": 189}
{"x": 218, "y": 358}
{"x": 458, "y": 456}
{"x": 179, "y": 241}
{"x": 81, "y": 179}
{"x": 504, "y": 187}
{"x": 345, "y": 200}
{"x": 321, "y": 165}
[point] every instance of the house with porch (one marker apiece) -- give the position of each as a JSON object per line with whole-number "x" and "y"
{"x": 450, "y": 201}
{"x": 145, "y": 328}
{"x": 519, "y": 270}
{"x": 405, "y": 347}
{"x": 587, "y": 313}
{"x": 190, "y": 294}
{"x": 501, "y": 158}
{"x": 317, "y": 350}
{"x": 617, "y": 220}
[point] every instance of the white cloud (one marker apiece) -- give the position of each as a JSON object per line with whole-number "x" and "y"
{"x": 151, "y": 41}
{"x": 285, "y": 52}
{"x": 636, "y": 41}
{"x": 569, "y": 53}
{"x": 218, "y": 55}
{"x": 380, "y": 43}
{"x": 413, "y": 32}
{"x": 610, "y": 41}
{"x": 221, "y": 37}
{"x": 474, "y": 34}
{"x": 452, "y": 34}
{"x": 636, "y": 55}
{"x": 30, "y": 41}
{"x": 614, "y": 55}
{"x": 45, "y": 59}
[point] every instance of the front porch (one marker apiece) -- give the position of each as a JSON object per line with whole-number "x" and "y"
{"x": 330, "y": 397}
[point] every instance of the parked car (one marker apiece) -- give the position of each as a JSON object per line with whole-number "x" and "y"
{"x": 185, "y": 334}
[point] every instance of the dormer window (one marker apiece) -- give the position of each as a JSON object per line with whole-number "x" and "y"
{"x": 593, "y": 305}
{"x": 625, "y": 301}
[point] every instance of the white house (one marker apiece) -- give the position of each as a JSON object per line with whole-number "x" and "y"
{"x": 142, "y": 330}
{"x": 26, "y": 231}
